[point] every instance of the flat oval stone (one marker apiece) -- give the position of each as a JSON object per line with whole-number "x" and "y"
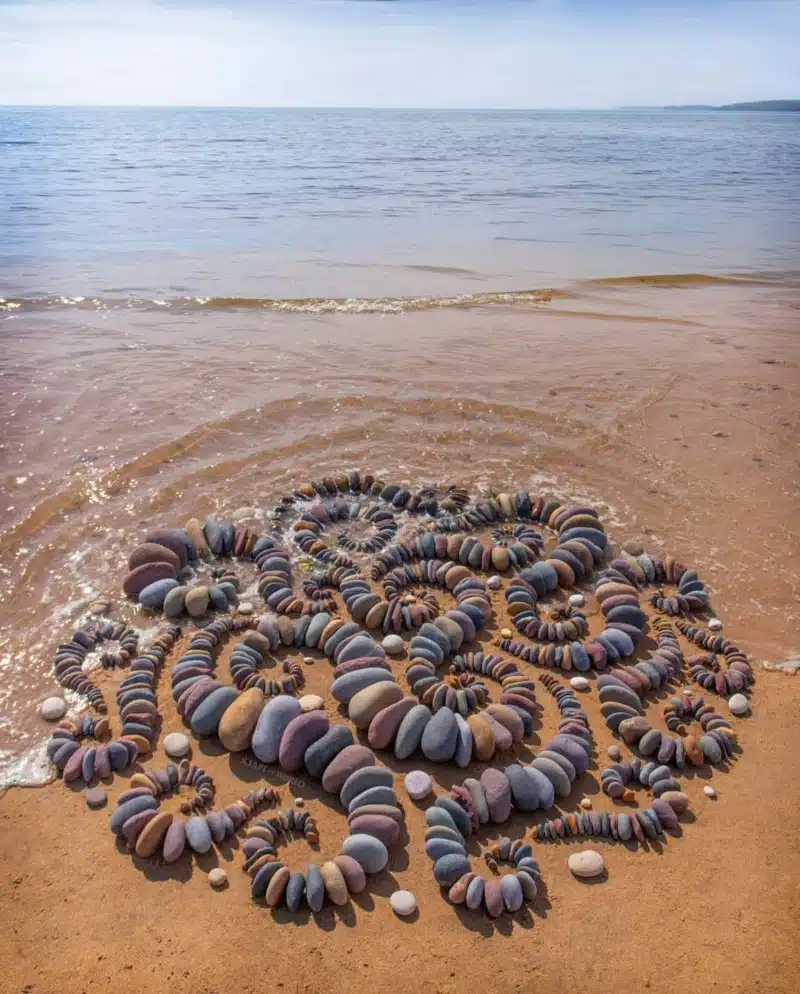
{"x": 588, "y": 863}
{"x": 447, "y": 869}
{"x": 300, "y": 733}
{"x": 350, "y": 759}
{"x": 239, "y": 720}
{"x": 198, "y": 834}
{"x": 315, "y": 888}
{"x": 523, "y": 788}
{"x": 321, "y": 753}
{"x": 53, "y": 708}
{"x": 370, "y": 853}
{"x": 497, "y": 789}
{"x": 493, "y": 898}
{"x": 154, "y": 594}
{"x": 393, "y": 644}
{"x": 440, "y": 737}
{"x": 383, "y": 828}
{"x": 384, "y": 725}
{"x": 174, "y": 841}
{"x": 142, "y": 576}
{"x": 475, "y": 891}
{"x": 217, "y": 878}
{"x": 579, "y": 683}
{"x": 176, "y": 744}
{"x": 277, "y": 886}
{"x": 410, "y": 732}
{"x": 511, "y": 888}
{"x": 363, "y": 780}
{"x": 353, "y": 873}
{"x": 366, "y": 704}
{"x": 335, "y": 883}
{"x": 96, "y": 797}
{"x": 129, "y": 809}
{"x": 435, "y": 848}
{"x": 263, "y": 876}
{"x": 206, "y": 718}
{"x": 152, "y": 835}
{"x": 345, "y": 688}
{"x": 271, "y": 724}
{"x": 310, "y": 702}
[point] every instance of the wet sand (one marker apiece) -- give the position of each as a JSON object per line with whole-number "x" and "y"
{"x": 671, "y": 407}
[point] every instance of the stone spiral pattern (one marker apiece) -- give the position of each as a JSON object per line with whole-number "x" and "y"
{"x": 148, "y": 832}
{"x": 451, "y": 821}
{"x": 706, "y": 670}
{"x": 157, "y": 782}
{"x": 446, "y": 718}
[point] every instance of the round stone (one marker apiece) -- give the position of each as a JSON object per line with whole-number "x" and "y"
{"x": 370, "y": 853}
{"x": 586, "y": 804}
{"x": 245, "y": 607}
{"x": 715, "y": 625}
{"x": 176, "y": 744}
{"x": 506, "y": 633}
{"x": 393, "y": 644}
{"x": 494, "y": 583}
{"x": 709, "y": 791}
{"x": 577, "y": 600}
{"x": 579, "y": 683}
{"x": 739, "y": 704}
{"x": 403, "y": 903}
{"x": 96, "y": 797}
{"x": 217, "y": 877}
{"x": 53, "y": 708}
{"x": 310, "y": 702}
{"x": 418, "y": 784}
{"x": 614, "y": 752}
{"x": 588, "y": 863}
{"x": 299, "y": 802}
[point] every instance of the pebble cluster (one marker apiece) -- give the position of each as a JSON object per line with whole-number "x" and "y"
{"x": 451, "y": 821}
{"x": 401, "y": 565}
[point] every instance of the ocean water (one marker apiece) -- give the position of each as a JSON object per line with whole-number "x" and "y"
{"x": 286, "y": 205}
{"x": 201, "y": 309}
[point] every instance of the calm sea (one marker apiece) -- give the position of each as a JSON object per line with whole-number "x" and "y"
{"x": 287, "y": 204}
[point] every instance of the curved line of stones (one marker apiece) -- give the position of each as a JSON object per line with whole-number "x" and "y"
{"x": 313, "y": 524}
{"x": 706, "y": 670}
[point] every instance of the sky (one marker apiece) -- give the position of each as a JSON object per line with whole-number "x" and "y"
{"x": 398, "y": 53}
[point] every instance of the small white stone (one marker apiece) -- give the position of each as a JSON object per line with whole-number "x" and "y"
{"x": 217, "y": 877}
{"x": 299, "y": 802}
{"x": 403, "y": 903}
{"x": 614, "y": 752}
{"x": 586, "y": 803}
{"x": 245, "y": 607}
{"x": 494, "y": 583}
{"x": 506, "y": 633}
{"x": 715, "y": 625}
{"x": 577, "y": 600}
{"x": 53, "y": 708}
{"x": 418, "y": 784}
{"x": 311, "y": 702}
{"x": 308, "y": 659}
{"x": 739, "y": 704}
{"x": 687, "y": 691}
{"x": 176, "y": 744}
{"x": 709, "y": 791}
{"x": 588, "y": 863}
{"x": 393, "y": 644}
{"x": 579, "y": 683}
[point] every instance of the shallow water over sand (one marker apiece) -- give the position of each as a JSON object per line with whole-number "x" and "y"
{"x": 668, "y": 404}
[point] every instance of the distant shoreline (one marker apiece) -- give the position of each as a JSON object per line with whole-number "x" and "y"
{"x": 773, "y": 105}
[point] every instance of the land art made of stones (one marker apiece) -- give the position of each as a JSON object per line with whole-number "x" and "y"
{"x": 344, "y": 565}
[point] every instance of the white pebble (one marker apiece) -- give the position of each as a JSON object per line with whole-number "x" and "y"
{"x": 577, "y": 600}
{"x": 739, "y": 704}
{"x": 494, "y": 583}
{"x": 53, "y": 708}
{"x": 393, "y": 644}
{"x": 310, "y": 702}
{"x": 299, "y": 802}
{"x": 614, "y": 752}
{"x": 217, "y": 877}
{"x": 506, "y": 633}
{"x": 176, "y": 744}
{"x": 586, "y": 803}
{"x": 579, "y": 683}
{"x": 245, "y": 607}
{"x": 403, "y": 903}
{"x": 308, "y": 659}
{"x": 588, "y": 863}
{"x": 687, "y": 691}
{"x": 418, "y": 784}
{"x": 709, "y": 791}
{"x": 715, "y": 625}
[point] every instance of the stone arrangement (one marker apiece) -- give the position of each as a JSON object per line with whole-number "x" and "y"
{"x": 359, "y": 570}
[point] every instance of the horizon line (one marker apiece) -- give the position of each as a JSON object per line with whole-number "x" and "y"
{"x": 615, "y": 107}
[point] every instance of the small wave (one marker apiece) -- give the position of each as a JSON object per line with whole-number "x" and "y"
{"x": 300, "y": 305}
